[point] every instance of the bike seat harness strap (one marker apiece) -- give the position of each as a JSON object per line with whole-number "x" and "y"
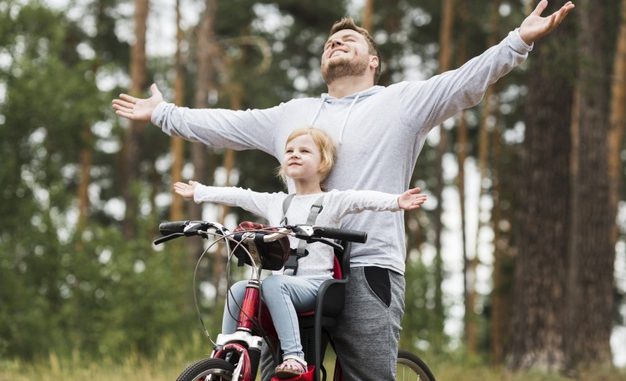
{"x": 291, "y": 266}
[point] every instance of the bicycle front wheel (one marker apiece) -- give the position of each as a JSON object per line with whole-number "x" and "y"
{"x": 409, "y": 367}
{"x": 208, "y": 370}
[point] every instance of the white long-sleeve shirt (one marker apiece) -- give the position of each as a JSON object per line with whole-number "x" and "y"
{"x": 380, "y": 132}
{"x": 335, "y": 205}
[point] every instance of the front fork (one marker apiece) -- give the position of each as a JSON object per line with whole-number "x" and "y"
{"x": 247, "y": 351}
{"x": 242, "y": 343}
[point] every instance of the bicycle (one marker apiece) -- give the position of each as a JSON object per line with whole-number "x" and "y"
{"x": 236, "y": 356}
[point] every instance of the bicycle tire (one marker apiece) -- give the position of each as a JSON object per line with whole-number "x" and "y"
{"x": 218, "y": 369}
{"x": 409, "y": 367}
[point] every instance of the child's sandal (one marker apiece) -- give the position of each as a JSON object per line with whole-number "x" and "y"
{"x": 290, "y": 368}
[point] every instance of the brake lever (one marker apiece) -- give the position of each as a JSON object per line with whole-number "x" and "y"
{"x": 166, "y": 238}
{"x": 303, "y": 232}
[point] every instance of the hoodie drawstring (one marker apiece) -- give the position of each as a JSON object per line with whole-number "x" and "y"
{"x": 345, "y": 121}
{"x": 323, "y": 100}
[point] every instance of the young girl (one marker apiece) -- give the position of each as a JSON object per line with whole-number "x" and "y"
{"x": 308, "y": 159}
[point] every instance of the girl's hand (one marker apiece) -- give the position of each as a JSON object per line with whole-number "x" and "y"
{"x": 411, "y": 199}
{"x": 185, "y": 190}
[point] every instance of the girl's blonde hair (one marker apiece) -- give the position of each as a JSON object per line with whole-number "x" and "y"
{"x": 326, "y": 146}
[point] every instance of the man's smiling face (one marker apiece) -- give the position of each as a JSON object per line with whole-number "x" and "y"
{"x": 346, "y": 53}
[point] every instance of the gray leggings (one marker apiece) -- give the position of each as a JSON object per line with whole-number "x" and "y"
{"x": 366, "y": 337}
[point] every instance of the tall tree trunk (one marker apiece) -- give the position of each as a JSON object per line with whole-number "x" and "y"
{"x": 617, "y": 118}
{"x": 235, "y": 92}
{"x": 368, "y": 15}
{"x": 177, "y": 146}
{"x": 500, "y": 295}
{"x": 86, "y": 156}
{"x": 131, "y": 138}
{"x": 445, "y": 57}
{"x": 540, "y": 269}
{"x": 592, "y": 252}
{"x": 472, "y": 263}
{"x": 483, "y": 167}
{"x": 206, "y": 74}
{"x": 469, "y": 321}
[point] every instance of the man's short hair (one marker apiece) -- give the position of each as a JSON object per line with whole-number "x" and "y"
{"x": 348, "y": 23}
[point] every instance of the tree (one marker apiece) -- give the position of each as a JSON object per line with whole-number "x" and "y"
{"x": 445, "y": 59}
{"x": 592, "y": 250}
{"x": 177, "y": 145}
{"x": 618, "y": 117}
{"x": 206, "y": 52}
{"x": 131, "y": 138}
{"x": 540, "y": 269}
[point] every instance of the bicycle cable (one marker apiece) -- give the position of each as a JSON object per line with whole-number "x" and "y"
{"x": 195, "y": 290}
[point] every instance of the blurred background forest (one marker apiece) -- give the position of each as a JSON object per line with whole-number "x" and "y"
{"x": 517, "y": 260}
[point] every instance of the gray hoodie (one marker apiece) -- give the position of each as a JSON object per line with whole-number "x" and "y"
{"x": 379, "y": 133}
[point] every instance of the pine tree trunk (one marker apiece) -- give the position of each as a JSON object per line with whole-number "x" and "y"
{"x": 462, "y": 148}
{"x": 206, "y": 73}
{"x": 500, "y": 293}
{"x": 592, "y": 251}
{"x": 617, "y": 118}
{"x": 499, "y": 298}
{"x": 131, "y": 139}
{"x": 228, "y": 164}
{"x": 445, "y": 57}
{"x": 86, "y": 156}
{"x": 177, "y": 146}
{"x": 540, "y": 269}
{"x": 368, "y": 12}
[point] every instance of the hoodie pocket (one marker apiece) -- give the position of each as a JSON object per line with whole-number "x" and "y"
{"x": 378, "y": 280}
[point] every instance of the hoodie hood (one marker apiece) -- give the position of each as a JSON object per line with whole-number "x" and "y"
{"x": 351, "y": 99}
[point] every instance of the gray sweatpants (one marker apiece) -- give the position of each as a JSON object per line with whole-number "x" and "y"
{"x": 368, "y": 331}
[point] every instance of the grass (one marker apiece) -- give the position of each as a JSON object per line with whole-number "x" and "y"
{"x": 54, "y": 369}
{"x": 166, "y": 367}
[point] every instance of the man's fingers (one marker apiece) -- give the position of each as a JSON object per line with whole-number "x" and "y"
{"x": 540, "y": 8}
{"x": 122, "y": 104}
{"x": 129, "y": 98}
{"x": 558, "y": 17}
{"x": 564, "y": 11}
{"x": 127, "y": 115}
{"x": 154, "y": 89}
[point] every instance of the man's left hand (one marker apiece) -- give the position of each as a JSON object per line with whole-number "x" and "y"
{"x": 535, "y": 27}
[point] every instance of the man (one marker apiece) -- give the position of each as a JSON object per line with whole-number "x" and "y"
{"x": 380, "y": 132}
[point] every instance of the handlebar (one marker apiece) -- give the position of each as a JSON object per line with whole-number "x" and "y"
{"x": 310, "y": 233}
{"x": 173, "y": 229}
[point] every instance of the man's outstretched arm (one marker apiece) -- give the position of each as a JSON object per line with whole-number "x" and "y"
{"x": 535, "y": 27}
{"x": 137, "y": 108}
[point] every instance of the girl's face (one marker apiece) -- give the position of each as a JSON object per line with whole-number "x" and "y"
{"x": 302, "y": 159}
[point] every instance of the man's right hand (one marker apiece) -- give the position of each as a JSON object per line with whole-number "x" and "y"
{"x": 135, "y": 108}
{"x": 186, "y": 190}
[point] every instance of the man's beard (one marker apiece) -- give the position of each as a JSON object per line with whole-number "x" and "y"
{"x": 343, "y": 67}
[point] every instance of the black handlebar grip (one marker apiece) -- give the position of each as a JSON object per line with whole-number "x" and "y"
{"x": 171, "y": 227}
{"x": 341, "y": 234}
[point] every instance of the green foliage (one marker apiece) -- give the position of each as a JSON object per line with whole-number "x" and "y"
{"x": 420, "y": 319}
